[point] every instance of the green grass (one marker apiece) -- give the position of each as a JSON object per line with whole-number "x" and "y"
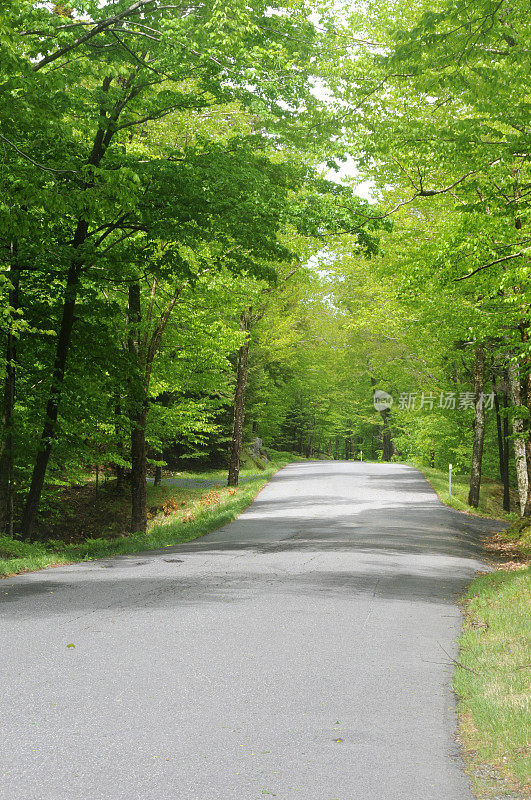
{"x": 191, "y": 512}
{"x": 520, "y": 533}
{"x": 490, "y": 499}
{"x": 494, "y": 689}
{"x": 492, "y": 679}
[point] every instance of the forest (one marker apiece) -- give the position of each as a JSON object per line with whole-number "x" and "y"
{"x": 298, "y": 228}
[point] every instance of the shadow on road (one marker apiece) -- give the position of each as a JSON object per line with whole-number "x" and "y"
{"x": 400, "y": 543}
{"x": 88, "y": 593}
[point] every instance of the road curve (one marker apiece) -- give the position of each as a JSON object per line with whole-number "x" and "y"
{"x": 301, "y": 652}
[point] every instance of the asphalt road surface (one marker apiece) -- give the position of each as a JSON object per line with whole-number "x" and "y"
{"x": 302, "y": 652}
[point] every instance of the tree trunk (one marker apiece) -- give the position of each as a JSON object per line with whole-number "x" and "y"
{"x": 518, "y": 433}
{"x": 506, "y": 480}
{"x": 503, "y": 445}
{"x": 527, "y": 507}
{"x": 158, "y": 476}
{"x": 52, "y": 408}
{"x": 102, "y": 140}
{"x": 479, "y": 426}
{"x": 138, "y": 416}
{"x": 388, "y": 447}
{"x": 239, "y": 401}
{"x": 7, "y": 452}
{"x": 119, "y": 470}
{"x": 138, "y": 472}
{"x": 526, "y": 393}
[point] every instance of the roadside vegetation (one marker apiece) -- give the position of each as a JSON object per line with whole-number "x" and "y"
{"x": 492, "y": 676}
{"x": 493, "y": 684}
{"x": 490, "y": 498}
{"x": 184, "y": 507}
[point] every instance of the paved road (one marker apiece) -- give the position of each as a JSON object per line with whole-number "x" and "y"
{"x": 298, "y": 653}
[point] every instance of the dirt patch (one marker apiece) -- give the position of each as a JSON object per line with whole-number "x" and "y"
{"x": 505, "y": 553}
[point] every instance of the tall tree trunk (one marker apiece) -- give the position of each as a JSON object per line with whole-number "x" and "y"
{"x": 138, "y": 472}
{"x": 54, "y": 398}
{"x": 119, "y": 469}
{"x": 526, "y": 392}
{"x": 138, "y": 416}
{"x": 100, "y": 144}
{"x": 388, "y": 447}
{"x": 143, "y": 348}
{"x": 7, "y": 451}
{"x": 239, "y": 401}
{"x": 503, "y": 445}
{"x": 506, "y": 481}
{"x": 527, "y": 383}
{"x": 527, "y": 507}
{"x": 518, "y": 434}
{"x": 479, "y": 426}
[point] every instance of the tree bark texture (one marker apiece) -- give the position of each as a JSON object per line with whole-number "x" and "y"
{"x": 239, "y": 402}
{"x": 54, "y": 398}
{"x": 137, "y": 415}
{"x": 479, "y": 426}
{"x": 138, "y": 472}
{"x": 7, "y": 447}
{"x": 518, "y": 435}
{"x": 101, "y": 142}
{"x": 502, "y": 427}
{"x": 527, "y": 507}
{"x": 388, "y": 447}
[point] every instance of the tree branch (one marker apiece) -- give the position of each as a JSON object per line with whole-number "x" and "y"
{"x": 490, "y": 264}
{"x": 98, "y": 28}
{"x": 35, "y": 163}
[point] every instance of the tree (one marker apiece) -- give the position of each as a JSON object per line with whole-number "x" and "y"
{"x": 440, "y": 116}
{"x": 242, "y": 366}
{"x": 100, "y": 81}
{"x": 479, "y": 425}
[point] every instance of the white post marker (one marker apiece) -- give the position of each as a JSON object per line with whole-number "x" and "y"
{"x": 361, "y": 455}
{"x": 449, "y": 481}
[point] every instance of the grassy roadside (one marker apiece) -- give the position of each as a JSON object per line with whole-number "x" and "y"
{"x": 492, "y": 680}
{"x": 179, "y": 514}
{"x": 490, "y": 499}
{"x": 494, "y": 687}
